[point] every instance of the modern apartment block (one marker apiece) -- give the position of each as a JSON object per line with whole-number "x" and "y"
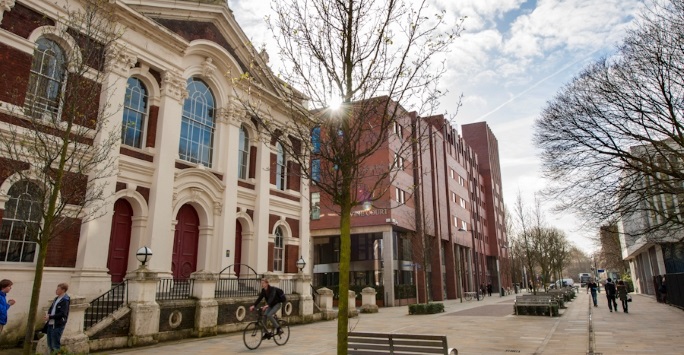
{"x": 429, "y": 237}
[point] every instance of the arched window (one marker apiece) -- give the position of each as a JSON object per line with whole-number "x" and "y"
{"x": 278, "y": 250}
{"x": 135, "y": 112}
{"x": 46, "y": 79}
{"x": 280, "y": 167}
{"x": 197, "y": 126}
{"x": 243, "y": 153}
{"x": 20, "y": 223}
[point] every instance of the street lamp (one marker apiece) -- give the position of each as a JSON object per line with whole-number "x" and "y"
{"x": 301, "y": 263}
{"x": 476, "y": 262}
{"x": 144, "y": 255}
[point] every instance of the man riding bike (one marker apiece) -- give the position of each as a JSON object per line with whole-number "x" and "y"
{"x": 274, "y": 298}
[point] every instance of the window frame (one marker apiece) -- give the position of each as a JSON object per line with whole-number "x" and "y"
{"x": 32, "y": 97}
{"x": 243, "y": 153}
{"x": 10, "y": 220}
{"x": 281, "y": 167}
{"x": 144, "y": 115}
{"x": 203, "y": 125}
{"x": 278, "y": 250}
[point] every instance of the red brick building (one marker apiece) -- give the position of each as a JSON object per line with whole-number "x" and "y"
{"x": 437, "y": 212}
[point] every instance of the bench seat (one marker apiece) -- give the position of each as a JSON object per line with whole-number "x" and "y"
{"x": 389, "y": 343}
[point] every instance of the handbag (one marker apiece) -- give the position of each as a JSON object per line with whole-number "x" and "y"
{"x": 629, "y": 298}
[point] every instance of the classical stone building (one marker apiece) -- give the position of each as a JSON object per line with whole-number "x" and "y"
{"x": 196, "y": 180}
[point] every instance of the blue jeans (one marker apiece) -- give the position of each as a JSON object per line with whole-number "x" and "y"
{"x": 54, "y": 337}
{"x": 593, "y": 297}
{"x": 270, "y": 315}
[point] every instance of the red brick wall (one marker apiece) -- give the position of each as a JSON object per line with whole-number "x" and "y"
{"x": 272, "y": 220}
{"x": 9, "y": 167}
{"x": 294, "y": 174}
{"x": 252, "y": 161}
{"x": 294, "y": 226}
{"x": 271, "y": 247}
{"x": 152, "y": 126}
{"x": 22, "y": 21}
{"x": 63, "y": 248}
{"x": 15, "y": 67}
{"x": 82, "y": 99}
{"x": 291, "y": 257}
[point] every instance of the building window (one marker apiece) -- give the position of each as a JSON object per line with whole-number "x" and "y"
{"x": 197, "y": 126}
{"x": 278, "y": 250}
{"x": 398, "y": 161}
{"x": 134, "y": 114}
{"x": 46, "y": 79}
{"x": 243, "y": 153}
{"x": 461, "y": 181}
{"x": 316, "y": 140}
{"x": 316, "y": 170}
{"x": 401, "y": 196}
{"x": 20, "y": 223}
{"x": 455, "y": 221}
{"x": 453, "y": 197}
{"x": 463, "y": 203}
{"x": 280, "y": 167}
{"x": 451, "y": 173}
{"x": 315, "y": 205}
{"x": 398, "y": 129}
{"x": 464, "y": 225}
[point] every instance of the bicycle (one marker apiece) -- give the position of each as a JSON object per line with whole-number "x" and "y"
{"x": 256, "y": 332}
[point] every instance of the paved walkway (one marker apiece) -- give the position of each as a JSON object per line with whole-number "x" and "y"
{"x": 485, "y": 327}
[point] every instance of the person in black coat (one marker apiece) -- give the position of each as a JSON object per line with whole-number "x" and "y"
{"x": 56, "y": 317}
{"x": 274, "y": 298}
{"x": 611, "y": 292}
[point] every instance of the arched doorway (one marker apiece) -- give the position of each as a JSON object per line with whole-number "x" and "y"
{"x": 238, "y": 247}
{"x": 185, "y": 243}
{"x": 120, "y": 240}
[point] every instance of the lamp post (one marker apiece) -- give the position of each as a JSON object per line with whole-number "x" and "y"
{"x": 144, "y": 255}
{"x": 476, "y": 262}
{"x": 301, "y": 263}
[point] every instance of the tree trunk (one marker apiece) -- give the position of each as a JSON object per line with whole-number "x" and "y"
{"x": 35, "y": 296}
{"x": 345, "y": 257}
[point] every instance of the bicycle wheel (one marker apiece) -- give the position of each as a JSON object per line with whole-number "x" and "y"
{"x": 468, "y": 296}
{"x": 252, "y": 335}
{"x": 282, "y": 338}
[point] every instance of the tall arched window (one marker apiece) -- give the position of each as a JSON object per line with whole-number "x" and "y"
{"x": 316, "y": 140}
{"x": 280, "y": 167}
{"x": 135, "y": 112}
{"x": 20, "y": 223}
{"x": 278, "y": 250}
{"x": 197, "y": 126}
{"x": 243, "y": 153}
{"x": 46, "y": 79}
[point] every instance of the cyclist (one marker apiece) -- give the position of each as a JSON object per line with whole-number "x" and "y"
{"x": 274, "y": 298}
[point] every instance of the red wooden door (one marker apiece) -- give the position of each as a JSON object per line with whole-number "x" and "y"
{"x": 185, "y": 243}
{"x": 238, "y": 247}
{"x": 119, "y": 240}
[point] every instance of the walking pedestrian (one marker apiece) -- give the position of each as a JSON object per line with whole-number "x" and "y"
{"x": 610, "y": 294}
{"x": 56, "y": 318}
{"x": 592, "y": 287}
{"x": 622, "y": 294}
{"x": 5, "y": 304}
{"x": 489, "y": 289}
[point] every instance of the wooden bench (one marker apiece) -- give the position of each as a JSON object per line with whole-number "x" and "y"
{"x": 531, "y": 304}
{"x": 390, "y": 343}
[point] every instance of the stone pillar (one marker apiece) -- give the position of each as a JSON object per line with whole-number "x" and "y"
{"x": 206, "y": 311}
{"x": 353, "y": 312}
{"x": 325, "y": 303}
{"x": 142, "y": 292}
{"x": 73, "y": 339}
{"x": 302, "y": 287}
{"x": 368, "y": 304}
{"x": 388, "y": 266}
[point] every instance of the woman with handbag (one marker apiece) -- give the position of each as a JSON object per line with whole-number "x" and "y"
{"x": 622, "y": 294}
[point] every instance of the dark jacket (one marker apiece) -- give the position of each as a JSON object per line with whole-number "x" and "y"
{"x": 61, "y": 312}
{"x": 610, "y": 288}
{"x": 622, "y": 292}
{"x": 272, "y": 296}
{"x": 592, "y": 286}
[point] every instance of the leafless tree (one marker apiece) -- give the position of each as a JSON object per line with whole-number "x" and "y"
{"x": 611, "y": 252}
{"x": 57, "y": 147}
{"x": 612, "y": 139}
{"x": 381, "y": 60}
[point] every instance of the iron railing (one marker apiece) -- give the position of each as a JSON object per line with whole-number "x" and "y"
{"x": 106, "y": 304}
{"x": 174, "y": 289}
{"x": 238, "y": 287}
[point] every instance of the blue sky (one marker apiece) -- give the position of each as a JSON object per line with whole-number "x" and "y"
{"x": 512, "y": 58}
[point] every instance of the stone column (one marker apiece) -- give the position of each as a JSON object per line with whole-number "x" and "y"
{"x": 90, "y": 275}
{"x": 368, "y": 304}
{"x": 303, "y": 286}
{"x": 161, "y": 223}
{"x": 388, "y": 266}
{"x": 206, "y": 311}
{"x": 142, "y": 292}
{"x": 353, "y": 312}
{"x": 325, "y": 303}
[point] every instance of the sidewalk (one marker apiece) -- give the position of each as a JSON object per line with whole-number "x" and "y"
{"x": 484, "y": 327}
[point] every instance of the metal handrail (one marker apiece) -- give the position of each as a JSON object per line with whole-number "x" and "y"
{"x": 241, "y": 265}
{"x": 174, "y": 289}
{"x": 106, "y": 304}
